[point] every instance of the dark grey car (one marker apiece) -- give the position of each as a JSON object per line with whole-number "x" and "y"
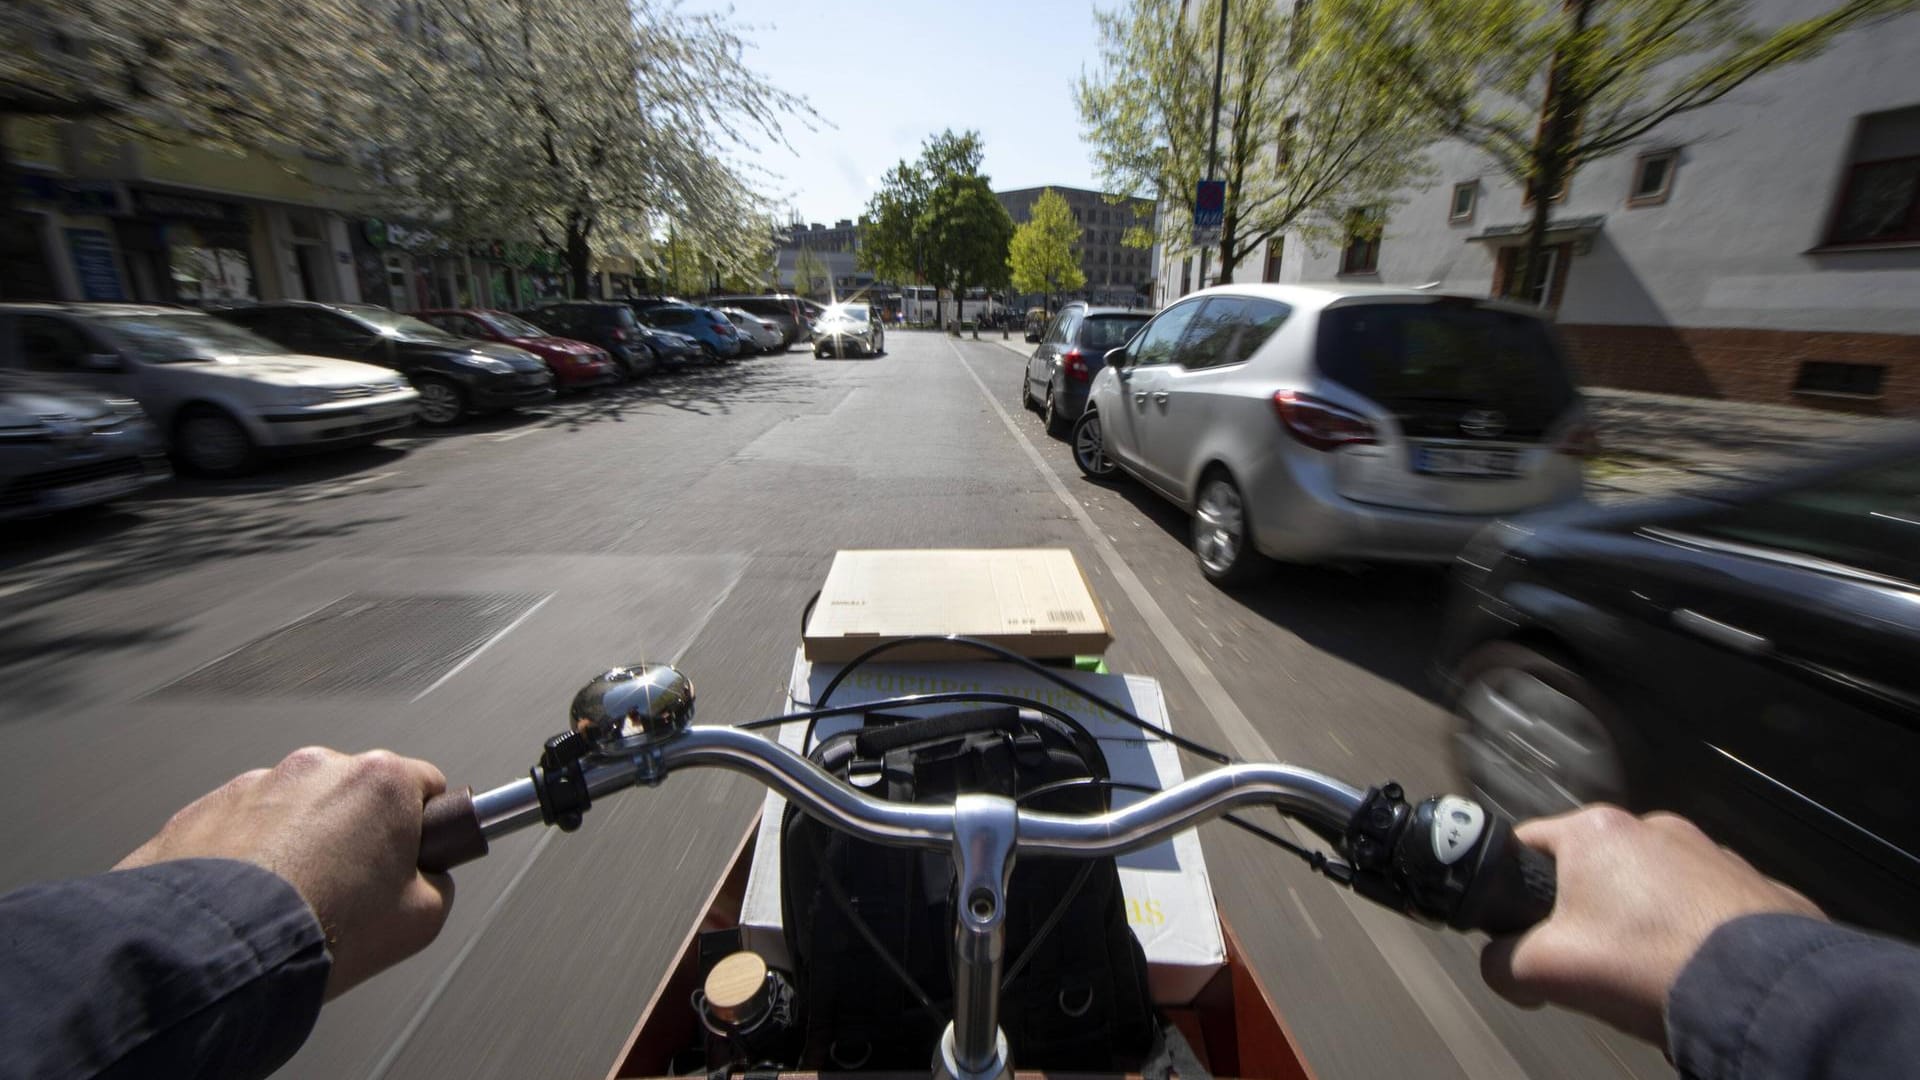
{"x": 1070, "y": 354}
{"x": 63, "y": 447}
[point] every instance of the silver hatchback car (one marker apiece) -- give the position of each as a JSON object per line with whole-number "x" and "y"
{"x": 1321, "y": 423}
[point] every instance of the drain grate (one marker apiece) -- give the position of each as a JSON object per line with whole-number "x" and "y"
{"x": 361, "y": 644}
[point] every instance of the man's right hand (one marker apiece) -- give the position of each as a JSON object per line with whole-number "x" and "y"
{"x": 1637, "y": 898}
{"x": 345, "y": 832}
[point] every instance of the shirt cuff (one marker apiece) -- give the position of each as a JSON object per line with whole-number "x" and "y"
{"x": 1720, "y": 1022}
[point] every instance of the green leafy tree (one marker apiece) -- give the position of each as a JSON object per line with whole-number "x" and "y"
{"x": 1302, "y": 136}
{"x": 892, "y": 243}
{"x": 810, "y": 276}
{"x": 1544, "y": 86}
{"x": 1041, "y": 252}
{"x": 967, "y": 232}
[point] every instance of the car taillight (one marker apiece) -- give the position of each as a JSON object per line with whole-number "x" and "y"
{"x": 1582, "y": 440}
{"x": 619, "y": 335}
{"x": 1319, "y": 424}
{"x": 1074, "y": 362}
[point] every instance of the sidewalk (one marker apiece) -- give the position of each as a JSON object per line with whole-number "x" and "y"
{"x": 1654, "y": 444}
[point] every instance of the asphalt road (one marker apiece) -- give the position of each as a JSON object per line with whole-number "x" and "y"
{"x": 689, "y": 519}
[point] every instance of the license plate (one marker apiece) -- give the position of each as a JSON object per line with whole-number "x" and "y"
{"x": 92, "y": 490}
{"x": 1461, "y": 461}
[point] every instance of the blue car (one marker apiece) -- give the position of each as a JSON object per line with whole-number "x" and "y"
{"x": 674, "y": 350}
{"x": 714, "y": 331}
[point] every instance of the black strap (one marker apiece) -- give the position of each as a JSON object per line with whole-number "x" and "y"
{"x": 879, "y": 737}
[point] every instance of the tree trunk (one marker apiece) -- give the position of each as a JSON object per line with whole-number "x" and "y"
{"x": 579, "y": 257}
{"x": 1550, "y": 163}
{"x": 1229, "y": 230}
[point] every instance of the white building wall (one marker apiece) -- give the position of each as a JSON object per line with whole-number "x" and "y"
{"x": 1735, "y": 244}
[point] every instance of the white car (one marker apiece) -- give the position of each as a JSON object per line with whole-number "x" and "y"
{"x": 1321, "y": 423}
{"x": 763, "y": 335}
{"x": 222, "y": 396}
{"x": 848, "y": 329}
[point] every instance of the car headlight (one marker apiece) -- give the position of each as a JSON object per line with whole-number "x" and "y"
{"x": 485, "y": 363}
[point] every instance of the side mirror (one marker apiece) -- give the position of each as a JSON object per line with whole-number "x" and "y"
{"x": 101, "y": 362}
{"x": 1117, "y": 360}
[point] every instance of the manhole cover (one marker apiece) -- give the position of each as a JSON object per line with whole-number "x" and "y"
{"x": 361, "y": 644}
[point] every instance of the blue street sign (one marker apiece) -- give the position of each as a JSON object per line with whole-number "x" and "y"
{"x": 1209, "y": 204}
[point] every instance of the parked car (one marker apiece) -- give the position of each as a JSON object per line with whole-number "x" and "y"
{"x": 1311, "y": 423}
{"x": 64, "y": 447}
{"x": 1072, "y": 351}
{"x": 576, "y": 365}
{"x": 455, "y": 376}
{"x": 1037, "y": 321}
{"x": 762, "y": 334}
{"x": 1745, "y": 659}
{"x": 715, "y": 332}
{"x": 673, "y": 350}
{"x": 223, "y": 397}
{"x": 789, "y": 313}
{"x": 611, "y": 325}
{"x": 848, "y": 328}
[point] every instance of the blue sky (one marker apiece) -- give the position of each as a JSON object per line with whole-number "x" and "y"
{"x": 887, "y": 75}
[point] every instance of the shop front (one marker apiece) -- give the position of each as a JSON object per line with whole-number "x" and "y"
{"x": 188, "y": 249}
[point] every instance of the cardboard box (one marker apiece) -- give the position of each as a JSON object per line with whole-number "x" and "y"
{"x": 1168, "y": 894}
{"x": 1034, "y": 601}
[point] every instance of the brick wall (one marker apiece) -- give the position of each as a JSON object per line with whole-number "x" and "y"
{"x": 1741, "y": 365}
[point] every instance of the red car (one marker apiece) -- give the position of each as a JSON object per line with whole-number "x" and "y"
{"x": 575, "y": 364}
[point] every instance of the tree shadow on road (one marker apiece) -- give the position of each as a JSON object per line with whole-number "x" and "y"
{"x": 703, "y": 391}
{"x": 1384, "y": 618}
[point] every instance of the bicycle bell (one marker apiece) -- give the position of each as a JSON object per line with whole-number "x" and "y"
{"x": 626, "y": 708}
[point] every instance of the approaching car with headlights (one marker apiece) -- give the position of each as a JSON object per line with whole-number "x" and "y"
{"x": 1318, "y": 423}
{"x": 455, "y": 376}
{"x": 576, "y": 365}
{"x": 848, "y": 329}
{"x": 63, "y": 447}
{"x": 222, "y": 396}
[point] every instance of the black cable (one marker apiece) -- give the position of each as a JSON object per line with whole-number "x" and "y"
{"x": 911, "y": 700}
{"x": 840, "y": 899}
{"x": 1009, "y": 656}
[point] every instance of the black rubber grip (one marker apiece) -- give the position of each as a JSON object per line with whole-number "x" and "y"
{"x": 450, "y": 832}
{"x": 1513, "y": 887}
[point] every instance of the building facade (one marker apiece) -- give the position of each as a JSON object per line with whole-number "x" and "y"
{"x": 844, "y": 237}
{"x": 1116, "y": 274}
{"x": 1764, "y": 248}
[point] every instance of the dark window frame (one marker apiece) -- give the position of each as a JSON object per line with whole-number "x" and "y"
{"x": 1635, "y": 197}
{"x": 1361, "y": 254}
{"x": 1454, "y": 214}
{"x": 1848, "y": 186}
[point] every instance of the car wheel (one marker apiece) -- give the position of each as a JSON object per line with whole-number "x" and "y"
{"x": 1090, "y": 448}
{"x": 1222, "y": 535}
{"x": 1537, "y": 738}
{"x": 1050, "y": 415}
{"x": 441, "y": 402}
{"x": 211, "y": 442}
{"x": 1026, "y": 390}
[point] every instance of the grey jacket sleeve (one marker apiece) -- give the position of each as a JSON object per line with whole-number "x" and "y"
{"x": 196, "y": 968}
{"x": 1783, "y": 996}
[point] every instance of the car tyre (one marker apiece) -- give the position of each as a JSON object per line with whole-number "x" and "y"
{"x": 1057, "y": 425}
{"x": 212, "y": 443}
{"x": 1222, "y": 535}
{"x": 1026, "y": 390}
{"x": 1536, "y": 736}
{"x": 1089, "y": 448}
{"x": 442, "y": 403}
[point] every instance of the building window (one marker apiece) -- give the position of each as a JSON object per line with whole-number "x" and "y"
{"x": 1510, "y": 281}
{"x": 1880, "y": 193}
{"x": 1829, "y": 378}
{"x": 1653, "y": 178}
{"x": 1276, "y": 247}
{"x": 1283, "y": 150}
{"x": 1186, "y": 275}
{"x": 1362, "y": 253}
{"x": 1460, "y": 210}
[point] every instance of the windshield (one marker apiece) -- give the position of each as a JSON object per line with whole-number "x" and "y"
{"x": 1103, "y": 332}
{"x": 1432, "y": 361}
{"x": 851, "y": 314}
{"x": 511, "y": 325}
{"x": 394, "y": 324}
{"x": 172, "y": 339}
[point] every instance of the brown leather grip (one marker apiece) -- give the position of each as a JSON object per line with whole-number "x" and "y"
{"x": 450, "y": 832}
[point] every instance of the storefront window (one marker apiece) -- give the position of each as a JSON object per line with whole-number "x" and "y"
{"x": 207, "y": 271}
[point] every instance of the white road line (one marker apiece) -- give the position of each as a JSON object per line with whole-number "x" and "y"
{"x": 1312, "y": 927}
{"x": 341, "y": 487}
{"x": 1341, "y": 745}
{"x": 484, "y": 646}
{"x": 1473, "y": 1044}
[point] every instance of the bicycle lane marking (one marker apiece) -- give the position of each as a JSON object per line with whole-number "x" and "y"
{"x": 1476, "y": 1048}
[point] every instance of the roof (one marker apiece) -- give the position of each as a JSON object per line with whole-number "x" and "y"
{"x": 1325, "y": 294}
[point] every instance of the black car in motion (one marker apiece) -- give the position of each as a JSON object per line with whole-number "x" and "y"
{"x": 1750, "y": 661}
{"x": 455, "y": 376}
